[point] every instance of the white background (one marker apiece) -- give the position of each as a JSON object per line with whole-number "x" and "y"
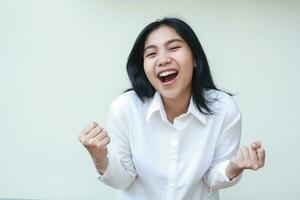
{"x": 63, "y": 62}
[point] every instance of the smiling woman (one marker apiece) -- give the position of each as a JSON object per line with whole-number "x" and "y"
{"x": 174, "y": 135}
{"x": 176, "y": 38}
{"x": 168, "y": 64}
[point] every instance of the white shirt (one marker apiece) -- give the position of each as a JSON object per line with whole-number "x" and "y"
{"x": 151, "y": 158}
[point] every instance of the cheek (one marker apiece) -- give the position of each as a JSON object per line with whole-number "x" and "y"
{"x": 185, "y": 58}
{"x": 148, "y": 66}
{"x": 148, "y": 71}
{"x": 188, "y": 70}
{"x": 189, "y": 63}
{"x": 187, "y": 75}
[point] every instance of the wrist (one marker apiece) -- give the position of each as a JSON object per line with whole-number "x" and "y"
{"x": 101, "y": 165}
{"x": 233, "y": 171}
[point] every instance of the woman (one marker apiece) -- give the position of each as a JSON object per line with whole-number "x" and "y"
{"x": 174, "y": 135}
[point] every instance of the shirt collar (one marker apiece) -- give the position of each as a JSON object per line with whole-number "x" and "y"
{"x": 195, "y": 111}
{"x": 156, "y": 104}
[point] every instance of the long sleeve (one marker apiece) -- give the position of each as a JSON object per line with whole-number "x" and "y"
{"x": 227, "y": 145}
{"x": 120, "y": 172}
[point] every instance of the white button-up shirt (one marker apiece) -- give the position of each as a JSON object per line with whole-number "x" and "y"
{"x": 151, "y": 158}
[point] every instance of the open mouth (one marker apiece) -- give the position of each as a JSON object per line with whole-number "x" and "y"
{"x": 167, "y": 76}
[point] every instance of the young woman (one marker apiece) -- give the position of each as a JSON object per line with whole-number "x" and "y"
{"x": 174, "y": 135}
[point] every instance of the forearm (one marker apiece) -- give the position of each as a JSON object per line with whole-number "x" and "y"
{"x": 216, "y": 177}
{"x": 116, "y": 175}
{"x": 100, "y": 164}
{"x": 232, "y": 171}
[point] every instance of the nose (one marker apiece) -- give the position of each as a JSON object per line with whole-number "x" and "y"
{"x": 163, "y": 61}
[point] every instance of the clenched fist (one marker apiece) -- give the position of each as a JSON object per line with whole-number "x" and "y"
{"x": 95, "y": 139}
{"x": 252, "y": 157}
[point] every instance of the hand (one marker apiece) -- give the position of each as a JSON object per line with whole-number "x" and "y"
{"x": 252, "y": 157}
{"x": 95, "y": 139}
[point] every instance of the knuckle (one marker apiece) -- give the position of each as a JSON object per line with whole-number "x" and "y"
{"x": 79, "y": 137}
{"x": 92, "y": 125}
{"x": 84, "y": 142}
{"x": 255, "y": 167}
{"x": 100, "y": 127}
{"x": 96, "y": 129}
{"x": 248, "y": 165}
{"x": 104, "y": 133}
{"x": 90, "y": 143}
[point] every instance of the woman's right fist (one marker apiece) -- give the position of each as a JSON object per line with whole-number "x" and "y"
{"x": 95, "y": 139}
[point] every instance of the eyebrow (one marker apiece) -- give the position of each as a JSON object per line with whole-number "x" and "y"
{"x": 167, "y": 43}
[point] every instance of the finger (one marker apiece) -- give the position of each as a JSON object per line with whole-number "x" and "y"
{"x": 254, "y": 159}
{"x": 256, "y": 144}
{"x": 104, "y": 142}
{"x": 100, "y": 136}
{"x": 253, "y": 155}
{"x": 88, "y": 129}
{"x": 234, "y": 160}
{"x": 239, "y": 156}
{"x": 94, "y": 132}
{"x": 245, "y": 153}
{"x": 261, "y": 157}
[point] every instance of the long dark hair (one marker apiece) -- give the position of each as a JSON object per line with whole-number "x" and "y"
{"x": 201, "y": 80}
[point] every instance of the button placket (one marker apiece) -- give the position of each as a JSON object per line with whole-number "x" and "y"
{"x": 173, "y": 159}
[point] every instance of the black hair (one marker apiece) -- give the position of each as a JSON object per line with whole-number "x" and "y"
{"x": 201, "y": 80}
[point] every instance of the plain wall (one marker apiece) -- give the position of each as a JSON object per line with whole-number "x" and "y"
{"x": 63, "y": 62}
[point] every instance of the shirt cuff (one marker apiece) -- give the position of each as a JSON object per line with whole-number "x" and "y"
{"x": 108, "y": 172}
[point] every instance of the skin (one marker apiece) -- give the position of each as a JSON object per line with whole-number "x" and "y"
{"x": 165, "y": 49}
{"x": 160, "y": 53}
{"x": 95, "y": 139}
{"x": 252, "y": 157}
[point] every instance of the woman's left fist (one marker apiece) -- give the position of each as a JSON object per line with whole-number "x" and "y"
{"x": 252, "y": 157}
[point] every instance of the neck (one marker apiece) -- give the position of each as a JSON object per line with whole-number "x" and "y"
{"x": 176, "y": 107}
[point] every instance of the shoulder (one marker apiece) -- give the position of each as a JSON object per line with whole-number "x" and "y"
{"x": 223, "y": 103}
{"x": 126, "y": 101}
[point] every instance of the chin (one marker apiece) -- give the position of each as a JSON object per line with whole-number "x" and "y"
{"x": 170, "y": 95}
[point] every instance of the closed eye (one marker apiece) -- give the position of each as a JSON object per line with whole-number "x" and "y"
{"x": 174, "y": 48}
{"x": 151, "y": 55}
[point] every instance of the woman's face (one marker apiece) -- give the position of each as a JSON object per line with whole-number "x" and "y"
{"x": 168, "y": 63}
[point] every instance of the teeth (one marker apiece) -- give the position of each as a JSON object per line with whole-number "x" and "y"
{"x": 166, "y": 73}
